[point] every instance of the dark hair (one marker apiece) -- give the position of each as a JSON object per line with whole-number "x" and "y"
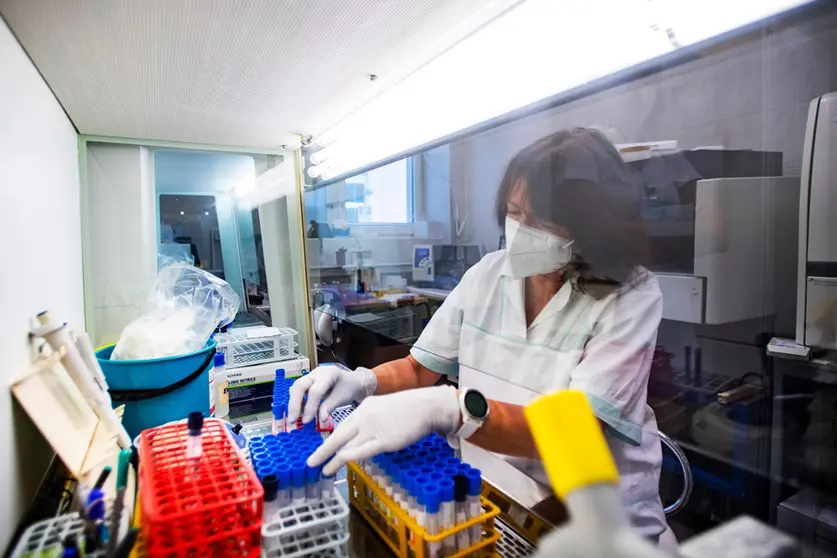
{"x": 576, "y": 179}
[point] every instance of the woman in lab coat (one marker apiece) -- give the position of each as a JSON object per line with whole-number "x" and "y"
{"x": 566, "y": 305}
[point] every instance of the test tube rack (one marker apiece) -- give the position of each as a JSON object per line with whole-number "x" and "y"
{"x": 308, "y": 529}
{"x": 241, "y": 350}
{"x": 391, "y": 491}
{"x": 217, "y": 491}
{"x": 45, "y": 538}
{"x": 319, "y": 526}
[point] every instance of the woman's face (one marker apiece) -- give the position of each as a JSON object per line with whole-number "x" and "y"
{"x": 520, "y": 210}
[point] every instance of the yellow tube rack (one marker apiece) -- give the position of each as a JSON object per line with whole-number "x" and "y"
{"x": 401, "y": 532}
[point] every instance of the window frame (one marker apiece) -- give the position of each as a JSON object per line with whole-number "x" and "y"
{"x": 411, "y": 200}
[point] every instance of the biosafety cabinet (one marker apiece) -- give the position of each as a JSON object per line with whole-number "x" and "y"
{"x": 721, "y": 226}
{"x": 816, "y": 320}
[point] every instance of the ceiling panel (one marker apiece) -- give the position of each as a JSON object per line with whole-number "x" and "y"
{"x": 231, "y": 72}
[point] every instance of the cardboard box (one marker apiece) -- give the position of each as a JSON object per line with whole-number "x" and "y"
{"x": 252, "y": 383}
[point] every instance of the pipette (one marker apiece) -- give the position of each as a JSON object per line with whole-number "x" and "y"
{"x": 88, "y": 377}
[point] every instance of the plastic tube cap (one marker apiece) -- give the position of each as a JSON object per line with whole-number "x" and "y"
{"x": 446, "y": 490}
{"x": 270, "y": 483}
{"x": 418, "y": 489}
{"x": 580, "y": 456}
{"x": 219, "y": 360}
{"x": 474, "y": 482}
{"x": 283, "y": 472}
{"x": 409, "y": 481}
{"x": 432, "y": 497}
{"x": 195, "y": 422}
{"x": 312, "y": 474}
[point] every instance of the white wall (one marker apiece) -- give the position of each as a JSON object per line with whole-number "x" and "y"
{"x": 41, "y": 229}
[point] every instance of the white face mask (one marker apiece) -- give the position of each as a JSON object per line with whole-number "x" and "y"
{"x": 534, "y": 252}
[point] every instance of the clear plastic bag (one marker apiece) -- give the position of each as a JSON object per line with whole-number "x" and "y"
{"x": 183, "y": 309}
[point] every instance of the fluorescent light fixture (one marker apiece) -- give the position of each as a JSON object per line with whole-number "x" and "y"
{"x": 538, "y": 49}
{"x": 354, "y": 205}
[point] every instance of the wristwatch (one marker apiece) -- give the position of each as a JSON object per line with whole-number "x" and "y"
{"x": 474, "y": 407}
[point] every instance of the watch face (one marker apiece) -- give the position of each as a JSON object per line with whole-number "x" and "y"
{"x": 476, "y": 404}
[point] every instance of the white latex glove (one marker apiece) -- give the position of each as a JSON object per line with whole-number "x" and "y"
{"x": 389, "y": 423}
{"x": 334, "y": 385}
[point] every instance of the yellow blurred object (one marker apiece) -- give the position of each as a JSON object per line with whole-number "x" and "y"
{"x": 570, "y": 442}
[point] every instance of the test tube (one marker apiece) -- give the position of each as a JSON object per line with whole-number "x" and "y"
{"x": 327, "y": 486}
{"x": 432, "y": 502}
{"x": 298, "y": 483}
{"x": 312, "y": 486}
{"x": 460, "y": 497}
{"x": 270, "y": 483}
{"x": 394, "y": 470}
{"x": 283, "y": 472}
{"x": 418, "y": 487}
{"x": 380, "y": 473}
{"x": 447, "y": 514}
{"x": 420, "y": 511}
{"x": 194, "y": 442}
{"x": 410, "y": 477}
{"x": 474, "y": 505}
{"x": 278, "y": 417}
{"x": 399, "y": 493}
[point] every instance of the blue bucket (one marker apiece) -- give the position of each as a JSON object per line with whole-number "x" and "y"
{"x": 159, "y": 390}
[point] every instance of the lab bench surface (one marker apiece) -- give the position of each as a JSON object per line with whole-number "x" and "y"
{"x": 363, "y": 540}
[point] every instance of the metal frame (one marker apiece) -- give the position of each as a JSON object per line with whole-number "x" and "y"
{"x": 84, "y": 140}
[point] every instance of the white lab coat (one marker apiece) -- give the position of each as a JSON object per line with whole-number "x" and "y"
{"x": 601, "y": 347}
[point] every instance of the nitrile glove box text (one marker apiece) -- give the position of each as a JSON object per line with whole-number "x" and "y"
{"x": 250, "y": 407}
{"x": 256, "y": 382}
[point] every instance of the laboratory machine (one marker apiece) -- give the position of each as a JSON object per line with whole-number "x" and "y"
{"x": 443, "y": 265}
{"x": 816, "y": 318}
{"x": 718, "y": 223}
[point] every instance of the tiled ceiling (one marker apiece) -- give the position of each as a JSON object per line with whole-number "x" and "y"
{"x": 251, "y": 73}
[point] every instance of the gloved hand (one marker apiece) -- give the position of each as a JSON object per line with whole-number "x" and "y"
{"x": 389, "y": 423}
{"x": 334, "y": 385}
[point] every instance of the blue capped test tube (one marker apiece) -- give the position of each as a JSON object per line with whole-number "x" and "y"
{"x": 431, "y": 519}
{"x": 417, "y": 491}
{"x": 283, "y": 472}
{"x": 474, "y": 477}
{"x": 447, "y": 514}
{"x": 409, "y": 479}
{"x": 312, "y": 483}
{"x": 298, "y": 483}
{"x": 278, "y": 417}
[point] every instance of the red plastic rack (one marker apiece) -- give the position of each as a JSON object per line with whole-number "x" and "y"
{"x": 210, "y": 506}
